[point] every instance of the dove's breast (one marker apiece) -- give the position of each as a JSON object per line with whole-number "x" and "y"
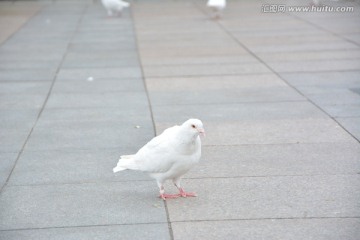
{"x": 183, "y": 164}
{"x": 170, "y": 160}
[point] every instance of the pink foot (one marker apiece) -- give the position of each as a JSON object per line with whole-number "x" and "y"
{"x": 165, "y": 196}
{"x": 187, "y": 194}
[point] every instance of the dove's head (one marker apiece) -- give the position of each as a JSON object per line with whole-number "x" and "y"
{"x": 194, "y": 126}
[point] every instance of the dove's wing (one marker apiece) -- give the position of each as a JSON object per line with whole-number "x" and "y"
{"x": 158, "y": 155}
{"x": 115, "y": 4}
{"x": 216, "y": 3}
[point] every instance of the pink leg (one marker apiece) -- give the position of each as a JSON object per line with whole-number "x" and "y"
{"x": 165, "y": 196}
{"x": 186, "y": 194}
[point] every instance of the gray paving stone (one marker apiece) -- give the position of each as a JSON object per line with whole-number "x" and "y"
{"x": 271, "y": 132}
{"x": 18, "y": 55}
{"x": 76, "y": 166}
{"x": 205, "y": 83}
{"x": 323, "y": 46}
{"x": 201, "y": 70}
{"x": 178, "y": 38}
{"x": 105, "y": 38}
{"x": 13, "y": 17}
{"x": 27, "y": 75}
{"x": 88, "y": 135}
{"x": 6, "y": 3}
{"x": 29, "y": 35}
{"x": 127, "y": 45}
{"x": 288, "y": 40}
{"x": 237, "y": 112}
{"x": 47, "y": 206}
{"x": 101, "y": 63}
{"x": 250, "y": 198}
{"x": 342, "y": 110}
{"x": 192, "y": 51}
{"x": 310, "y": 55}
{"x": 272, "y": 229}
{"x": 68, "y": 3}
{"x": 109, "y": 99}
{"x": 102, "y": 23}
{"x": 7, "y": 160}
{"x": 204, "y": 96}
{"x": 36, "y": 47}
{"x": 12, "y": 139}
{"x": 35, "y": 87}
{"x": 331, "y": 91}
{"x": 114, "y": 73}
{"x": 356, "y": 90}
{"x": 352, "y": 125}
{"x": 275, "y": 160}
{"x": 18, "y": 118}
{"x": 231, "y": 89}
{"x": 121, "y": 232}
{"x": 98, "y": 86}
{"x": 221, "y": 41}
{"x": 124, "y": 115}
{"x": 266, "y": 31}
{"x": 330, "y": 96}
{"x": 324, "y": 79}
{"x": 198, "y": 60}
{"x": 353, "y": 37}
{"x": 100, "y": 56}
{"x": 27, "y": 64}
{"x": 22, "y": 101}
{"x": 316, "y": 66}
{"x": 341, "y": 26}
{"x": 121, "y": 40}
{"x": 180, "y": 34}
{"x": 177, "y": 27}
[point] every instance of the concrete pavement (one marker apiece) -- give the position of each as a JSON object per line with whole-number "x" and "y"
{"x": 278, "y": 94}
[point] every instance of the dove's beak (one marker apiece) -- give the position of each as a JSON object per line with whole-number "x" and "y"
{"x": 201, "y": 132}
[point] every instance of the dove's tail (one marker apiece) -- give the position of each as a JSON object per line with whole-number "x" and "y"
{"x": 125, "y": 162}
{"x": 125, "y": 4}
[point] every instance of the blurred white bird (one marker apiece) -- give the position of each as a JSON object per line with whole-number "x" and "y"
{"x": 168, "y": 156}
{"x": 315, "y": 3}
{"x": 114, "y": 7}
{"x": 217, "y": 6}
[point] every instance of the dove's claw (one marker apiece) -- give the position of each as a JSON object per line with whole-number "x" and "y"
{"x": 187, "y": 194}
{"x": 165, "y": 196}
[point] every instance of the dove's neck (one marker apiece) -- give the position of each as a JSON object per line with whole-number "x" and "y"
{"x": 187, "y": 137}
{"x": 188, "y": 143}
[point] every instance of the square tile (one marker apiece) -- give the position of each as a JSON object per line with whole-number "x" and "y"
{"x": 78, "y": 205}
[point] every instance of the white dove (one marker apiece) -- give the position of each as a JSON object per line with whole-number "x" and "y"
{"x": 114, "y": 6}
{"x": 168, "y": 156}
{"x": 315, "y": 3}
{"x": 217, "y": 6}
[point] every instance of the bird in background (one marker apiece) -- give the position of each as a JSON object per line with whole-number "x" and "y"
{"x": 168, "y": 156}
{"x": 315, "y": 3}
{"x": 217, "y": 6}
{"x": 114, "y": 7}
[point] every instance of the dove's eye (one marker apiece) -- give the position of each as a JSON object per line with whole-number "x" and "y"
{"x": 193, "y": 126}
